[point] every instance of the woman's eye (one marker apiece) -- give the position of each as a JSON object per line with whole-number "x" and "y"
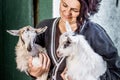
{"x": 75, "y": 10}
{"x": 64, "y": 5}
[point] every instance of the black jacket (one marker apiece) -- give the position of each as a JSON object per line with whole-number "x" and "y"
{"x": 96, "y": 37}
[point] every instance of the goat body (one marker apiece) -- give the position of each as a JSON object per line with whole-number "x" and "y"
{"x": 27, "y": 47}
{"x": 82, "y": 62}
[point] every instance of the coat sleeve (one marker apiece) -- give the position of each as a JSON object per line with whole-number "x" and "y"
{"x": 103, "y": 45}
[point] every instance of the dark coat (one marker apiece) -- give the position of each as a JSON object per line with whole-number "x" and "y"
{"x": 96, "y": 37}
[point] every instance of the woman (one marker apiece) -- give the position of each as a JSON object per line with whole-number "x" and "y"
{"x": 77, "y": 13}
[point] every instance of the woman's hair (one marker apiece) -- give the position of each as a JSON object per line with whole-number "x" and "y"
{"x": 88, "y": 8}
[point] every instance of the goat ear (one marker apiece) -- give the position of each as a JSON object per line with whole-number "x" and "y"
{"x": 68, "y": 27}
{"x": 13, "y": 32}
{"x": 41, "y": 30}
{"x": 69, "y": 39}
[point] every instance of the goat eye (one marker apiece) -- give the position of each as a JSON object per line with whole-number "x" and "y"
{"x": 27, "y": 29}
{"x": 67, "y": 44}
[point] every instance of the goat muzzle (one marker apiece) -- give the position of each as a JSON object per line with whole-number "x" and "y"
{"x": 58, "y": 54}
{"x": 29, "y": 48}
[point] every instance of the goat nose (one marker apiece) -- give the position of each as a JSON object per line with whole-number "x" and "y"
{"x": 29, "y": 48}
{"x": 58, "y": 54}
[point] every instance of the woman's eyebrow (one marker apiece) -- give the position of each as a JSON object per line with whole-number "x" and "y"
{"x": 75, "y": 9}
{"x": 64, "y": 2}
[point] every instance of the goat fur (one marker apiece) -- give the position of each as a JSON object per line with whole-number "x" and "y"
{"x": 27, "y": 47}
{"x": 81, "y": 61}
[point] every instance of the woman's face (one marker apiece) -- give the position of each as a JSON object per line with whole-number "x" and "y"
{"x": 69, "y": 10}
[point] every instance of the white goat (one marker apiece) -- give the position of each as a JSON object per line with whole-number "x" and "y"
{"x": 27, "y": 47}
{"x": 82, "y": 62}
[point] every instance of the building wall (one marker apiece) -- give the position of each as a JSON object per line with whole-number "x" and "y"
{"x": 1, "y": 40}
{"x": 45, "y": 9}
{"x": 55, "y": 5}
{"x": 15, "y": 14}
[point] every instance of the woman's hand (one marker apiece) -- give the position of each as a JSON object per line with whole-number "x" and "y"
{"x": 65, "y": 76}
{"x": 43, "y": 67}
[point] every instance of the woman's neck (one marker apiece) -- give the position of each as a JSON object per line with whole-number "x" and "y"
{"x": 63, "y": 28}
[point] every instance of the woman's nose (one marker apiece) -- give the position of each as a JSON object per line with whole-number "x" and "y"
{"x": 68, "y": 12}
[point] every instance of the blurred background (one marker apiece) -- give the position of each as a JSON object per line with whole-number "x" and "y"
{"x": 15, "y": 14}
